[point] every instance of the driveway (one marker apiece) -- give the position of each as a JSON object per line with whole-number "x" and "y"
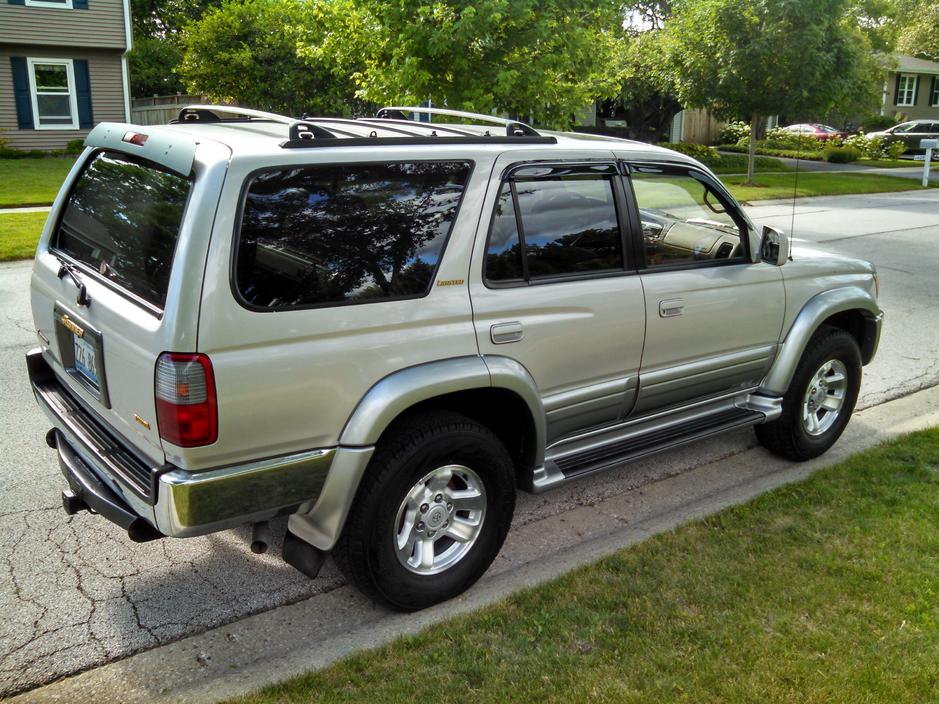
{"x": 78, "y": 594}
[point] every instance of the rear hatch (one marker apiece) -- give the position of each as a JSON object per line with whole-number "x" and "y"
{"x": 113, "y": 282}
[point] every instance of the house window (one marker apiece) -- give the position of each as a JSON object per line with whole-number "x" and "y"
{"x": 934, "y": 98}
{"x": 906, "y": 90}
{"x": 52, "y": 90}
{"x": 50, "y": 3}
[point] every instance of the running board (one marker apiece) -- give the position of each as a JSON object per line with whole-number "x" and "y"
{"x": 642, "y": 438}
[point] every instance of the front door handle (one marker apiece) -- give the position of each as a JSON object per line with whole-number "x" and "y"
{"x": 502, "y": 333}
{"x": 671, "y": 307}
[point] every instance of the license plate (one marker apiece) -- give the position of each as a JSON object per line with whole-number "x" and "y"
{"x": 86, "y": 362}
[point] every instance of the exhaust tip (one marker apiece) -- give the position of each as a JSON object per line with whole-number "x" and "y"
{"x": 52, "y": 438}
{"x": 260, "y": 537}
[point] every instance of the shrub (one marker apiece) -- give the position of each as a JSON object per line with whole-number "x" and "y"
{"x": 840, "y": 155}
{"x": 874, "y": 147}
{"x": 895, "y": 150}
{"x": 762, "y": 148}
{"x": 779, "y": 138}
{"x": 75, "y": 146}
{"x": 695, "y": 151}
{"x": 733, "y": 132}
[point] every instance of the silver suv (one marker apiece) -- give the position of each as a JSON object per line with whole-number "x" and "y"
{"x": 382, "y": 328}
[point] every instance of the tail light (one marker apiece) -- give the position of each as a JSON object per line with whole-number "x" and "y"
{"x": 184, "y": 387}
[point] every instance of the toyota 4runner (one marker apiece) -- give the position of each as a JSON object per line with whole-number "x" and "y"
{"x": 383, "y": 327}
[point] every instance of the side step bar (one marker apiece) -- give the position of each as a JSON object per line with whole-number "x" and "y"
{"x": 603, "y": 449}
{"x": 654, "y": 441}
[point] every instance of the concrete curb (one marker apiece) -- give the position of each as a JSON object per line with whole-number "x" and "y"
{"x": 243, "y": 656}
{"x": 27, "y": 209}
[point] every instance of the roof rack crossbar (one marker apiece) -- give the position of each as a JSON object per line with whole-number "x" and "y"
{"x": 512, "y": 127}
{"x": 426, "y": 125}
{"x": 360, "y": 123}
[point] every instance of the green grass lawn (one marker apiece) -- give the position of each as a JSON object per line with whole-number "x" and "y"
{"x": 772, "y": 186}
{"x": 19, "y": 233}
{"x": 32, "y": 181}
{"x": 822, "y": 591}
{"x": 889, "y": 163}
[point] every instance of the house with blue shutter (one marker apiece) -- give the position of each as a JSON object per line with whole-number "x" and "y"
{"x": 911, "y": 88}
{"x": 63, "y": 69}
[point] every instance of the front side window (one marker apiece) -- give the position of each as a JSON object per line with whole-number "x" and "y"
{"x": 906, "y": 89}
{"x": 568, "y": 220}
{"x": 345, "y": 233}
{"x": 684, "y": 219}
{"x": 52, "y": 88}
{"x": 122, "y": 221}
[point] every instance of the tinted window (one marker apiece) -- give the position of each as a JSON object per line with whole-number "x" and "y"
{"x": 345, "y": 233}
{"x": 122, "y": 219}
{"x": 569, "y": 226}
{"x": 684, "y": 220}
{"x": 504, "y": 254}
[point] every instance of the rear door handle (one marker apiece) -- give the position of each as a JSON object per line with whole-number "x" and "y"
{"x": 502, "y": 333}
{"x": 671, "y": 307}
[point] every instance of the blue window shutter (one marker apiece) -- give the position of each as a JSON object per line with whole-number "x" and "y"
{"x": 83, "y": 93}
{"x": 79, "y": 4}
{"x": 16, "y": 2}
{"x": 896, "y": 91}
{"x": 24, "y": 106}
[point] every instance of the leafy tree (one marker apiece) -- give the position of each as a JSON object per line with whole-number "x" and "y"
{"x": 246, "y": 51}
{"x": 537, "y": 59}
{"x": 763, "y": 57}
{"x": 157, "y": 25}
{"x": 647, "y": 97}
{"x": 920, "y": 33}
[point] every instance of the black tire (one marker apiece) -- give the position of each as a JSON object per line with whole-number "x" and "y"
{"x": 787, "y": 436}
{"x": 366, "y": 552}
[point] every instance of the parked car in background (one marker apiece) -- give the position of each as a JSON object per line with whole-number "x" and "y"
{"x": 910, "y": 133}
{"x": 821, "y": 132}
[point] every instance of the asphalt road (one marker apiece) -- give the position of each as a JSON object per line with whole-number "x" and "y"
{"x": 77, "y": 594}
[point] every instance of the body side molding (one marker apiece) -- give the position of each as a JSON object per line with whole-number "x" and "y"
{"x": 813, "y": 313}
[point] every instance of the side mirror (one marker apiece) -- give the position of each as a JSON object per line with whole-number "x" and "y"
{"x": 774, "y": 248}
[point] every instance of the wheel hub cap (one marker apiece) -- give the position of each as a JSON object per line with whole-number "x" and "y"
{"x": 440, "y": 519}
{"x": 824, "y": 397}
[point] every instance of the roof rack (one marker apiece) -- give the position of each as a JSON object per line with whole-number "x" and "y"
{"x": 307, "y": 132}
{"x": 298, "y": 129}
{"x": 513, "y": 128}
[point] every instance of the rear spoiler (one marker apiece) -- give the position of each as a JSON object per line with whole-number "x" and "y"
{"x": 175, "y": 151}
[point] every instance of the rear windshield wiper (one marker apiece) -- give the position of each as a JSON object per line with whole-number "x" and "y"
{"x": 66, "y": 267}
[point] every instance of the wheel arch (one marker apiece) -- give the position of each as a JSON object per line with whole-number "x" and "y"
{"x": 850, "y": 308}
{"x": 497, "y": 392}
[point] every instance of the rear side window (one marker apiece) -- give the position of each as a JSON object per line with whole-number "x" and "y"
{"x": 122, "y": 220}
{"x": 568, "y": 222}
{"x": 345, "y": 233}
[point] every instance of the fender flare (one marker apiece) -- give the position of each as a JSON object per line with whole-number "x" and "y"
{"x": 397, "y": 392}
{"x": 320, "y": 522}
{"x": 819, "y": 308}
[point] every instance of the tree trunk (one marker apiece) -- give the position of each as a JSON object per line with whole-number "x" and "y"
{"x": 751, "y": 155}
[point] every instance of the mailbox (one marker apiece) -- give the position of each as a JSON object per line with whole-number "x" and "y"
{"x": 928, "y": 145}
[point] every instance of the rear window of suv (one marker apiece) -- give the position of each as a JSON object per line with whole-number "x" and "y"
{"x": 345, "y": 233}
{"x": 122, "y": 220}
